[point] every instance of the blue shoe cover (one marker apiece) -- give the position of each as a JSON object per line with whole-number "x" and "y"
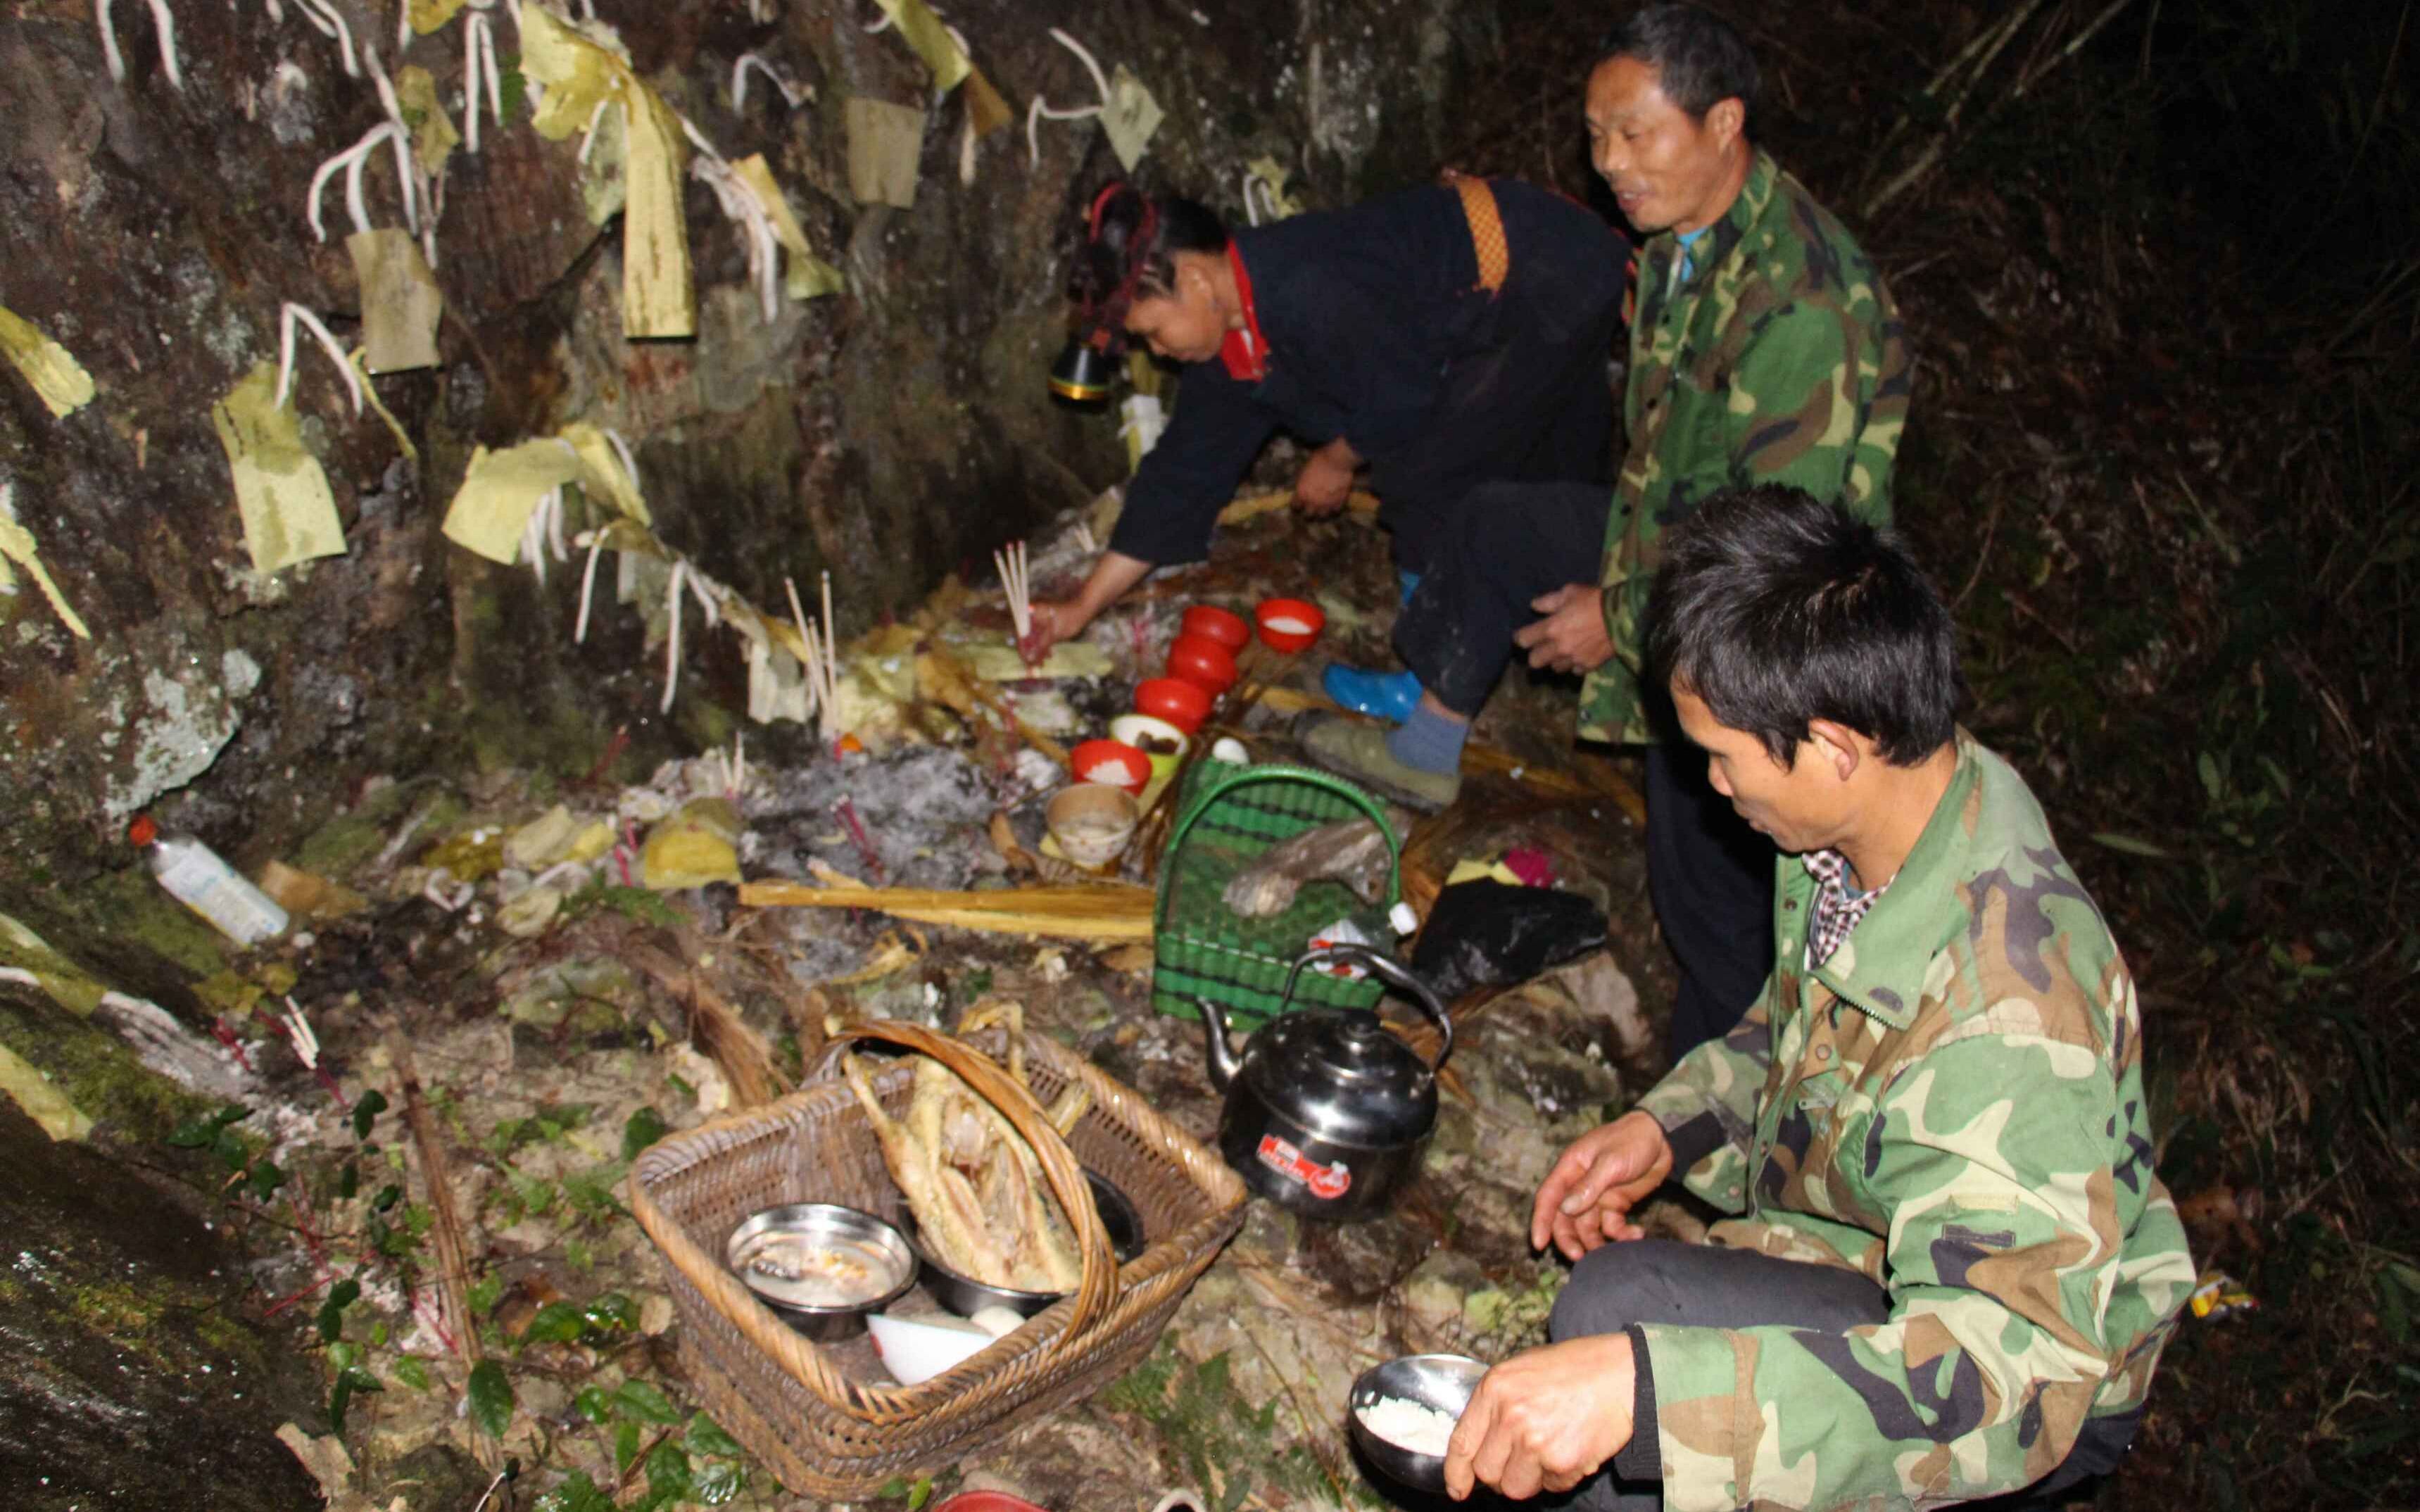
{"x": 1409, "y": 580}
{"x": 1388, "y": 695}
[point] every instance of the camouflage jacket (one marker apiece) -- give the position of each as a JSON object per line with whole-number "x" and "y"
{"x": 1779, "y": 359}
{"x": 1952, "y": 1105}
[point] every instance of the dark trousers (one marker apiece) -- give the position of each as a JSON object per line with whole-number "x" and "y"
{"x": 1513, "y": 542}
{"x": 1664, "y": 1282}
{"x": 1711, "y": 879}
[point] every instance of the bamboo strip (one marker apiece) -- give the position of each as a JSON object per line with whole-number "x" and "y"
{"x": 1262, "y": 504}
{"x": 1103, "y": 913}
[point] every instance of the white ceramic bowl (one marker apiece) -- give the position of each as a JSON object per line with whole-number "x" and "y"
{"x": 914, "y": 1350}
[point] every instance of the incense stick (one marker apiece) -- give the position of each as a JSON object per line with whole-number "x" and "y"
{"x": 1012, "y": 564}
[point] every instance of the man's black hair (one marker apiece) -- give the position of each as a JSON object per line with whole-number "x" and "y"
{"x": 1699, "y": 57}
{"x": 1130, "y": 247}
{"x": 1777, "y": 609}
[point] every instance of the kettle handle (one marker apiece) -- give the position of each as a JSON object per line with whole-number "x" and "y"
{"x": 1391, "y": 972}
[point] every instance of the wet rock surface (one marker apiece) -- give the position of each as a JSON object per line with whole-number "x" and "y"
{"x": 130, "y": 1360}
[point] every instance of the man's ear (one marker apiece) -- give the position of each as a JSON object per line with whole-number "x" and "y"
{"x": 1726, "y": 118}
{"x": 1841, "y": 746}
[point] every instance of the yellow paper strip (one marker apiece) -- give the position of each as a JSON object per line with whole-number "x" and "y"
{"x": 399, "y": 301}
{"x": 369, "y": 391}
{"x": 17, "y": 545}
{"x": 42, "y": 1102}
{"x": 602, "y": 476}
{"x": 492, "y": 507}
{"x": 429, "y": 16}
{"x": 433, "y": 136}
{"x": 922, "y": 30}
{"x": 658, "y": 297}
{"x": 288, "y": 514}
{"x": 56, "y": 376}
{"x": 804, "y": 275}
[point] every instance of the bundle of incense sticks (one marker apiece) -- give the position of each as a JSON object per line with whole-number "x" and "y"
{"x": 822, "y": 662}
{"x": 1011, "y": 562}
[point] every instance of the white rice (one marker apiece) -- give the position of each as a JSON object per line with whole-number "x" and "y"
{"x": 1287, "y": 625}
{"x": 1409, "y": 1425}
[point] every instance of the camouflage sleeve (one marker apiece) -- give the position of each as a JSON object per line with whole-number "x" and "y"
{"x": 2004, "y": 1243}
{"x": 1707, "y": 1105}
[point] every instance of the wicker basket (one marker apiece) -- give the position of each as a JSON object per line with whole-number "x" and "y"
{"x": 1203, "y": 948}
{"x": 827, "y": 1436}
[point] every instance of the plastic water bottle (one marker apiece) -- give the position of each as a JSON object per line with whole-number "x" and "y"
{"x": 194, "y": 875}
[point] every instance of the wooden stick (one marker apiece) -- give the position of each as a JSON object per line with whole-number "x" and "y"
{"x": 741, "y": 1051}
{"x": 453, "y": 1263}
{"x": 1073, "y": 913}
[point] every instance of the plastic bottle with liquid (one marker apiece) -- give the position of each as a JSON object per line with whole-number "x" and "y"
{"x": 194, "y": 875}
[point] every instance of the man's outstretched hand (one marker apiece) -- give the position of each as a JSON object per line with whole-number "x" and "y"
{"x": 1545, "y": 1419}
{"x": 1586, "y": 1200}
{"x": 1572, "y": 637}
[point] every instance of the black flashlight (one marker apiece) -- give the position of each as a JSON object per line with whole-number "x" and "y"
{"x": 1083, "y": 372}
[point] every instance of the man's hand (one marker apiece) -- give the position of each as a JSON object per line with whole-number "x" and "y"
{"x": 1572, "y": 637}
{"x": 1326, "y": 479}
{"x": 1545, "y": 1419}
{"x": 1586, "y": 1200}
{"x": 1048, "y": 624}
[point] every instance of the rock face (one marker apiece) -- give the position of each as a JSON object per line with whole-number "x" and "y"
{"x": 127, "y": 1347}
{"x": 886, "y": 433}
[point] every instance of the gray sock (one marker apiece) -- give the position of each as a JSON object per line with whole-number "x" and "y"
{"x": 1429, "y": 741}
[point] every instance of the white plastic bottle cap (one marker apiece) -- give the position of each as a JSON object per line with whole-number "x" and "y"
{"x": 1402, "y": 916}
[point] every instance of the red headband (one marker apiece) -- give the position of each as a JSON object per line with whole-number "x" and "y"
{"x": 1112, "y": 310}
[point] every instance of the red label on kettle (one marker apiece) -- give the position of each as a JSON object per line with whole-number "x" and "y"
{"x": 1326, "y": 1181}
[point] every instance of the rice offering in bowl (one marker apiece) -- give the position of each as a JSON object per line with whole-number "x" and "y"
{"x": 1408, "y": 1424}
{"x": 1287, "y": 625}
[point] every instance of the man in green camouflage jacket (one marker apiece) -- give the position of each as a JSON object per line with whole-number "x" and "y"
{"x": 1763, "y": 348}
{"x": 1949, "y": 1269}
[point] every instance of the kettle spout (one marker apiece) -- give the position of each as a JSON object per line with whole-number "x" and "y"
{"x": 1223, "y": 1061}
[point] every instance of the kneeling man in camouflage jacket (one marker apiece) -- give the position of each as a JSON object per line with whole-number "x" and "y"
{"x": 1948, "y": 1270}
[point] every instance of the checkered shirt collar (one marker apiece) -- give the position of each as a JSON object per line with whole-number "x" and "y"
{"x": 1837, "y": 908}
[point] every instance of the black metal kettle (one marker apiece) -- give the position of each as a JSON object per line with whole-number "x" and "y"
{"x": 1327, "y": 1114}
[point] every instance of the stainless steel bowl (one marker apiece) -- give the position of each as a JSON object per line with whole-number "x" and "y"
{"x": 965, "y": 1296}
{"x": 1443, "y": 1381}
{"x": 858, "y": 1237}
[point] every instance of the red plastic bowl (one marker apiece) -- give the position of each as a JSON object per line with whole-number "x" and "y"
{"x": 987, "y": 1501}
{"x": 1174, "y": 699}
{"x": 1113, "y": 762}
{"x": 1213, "y": 623}
{"x": 1294, "y": 609}
{"x": 1204, "y": 663}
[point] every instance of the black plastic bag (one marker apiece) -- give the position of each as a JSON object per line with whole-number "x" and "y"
{"x": 1487, "y": 933}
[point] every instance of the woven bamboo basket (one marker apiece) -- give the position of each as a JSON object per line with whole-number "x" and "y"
{"x": 825, "y": 1435}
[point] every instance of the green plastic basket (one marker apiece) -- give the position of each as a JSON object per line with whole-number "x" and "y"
{"x": 1226, "y": 815}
